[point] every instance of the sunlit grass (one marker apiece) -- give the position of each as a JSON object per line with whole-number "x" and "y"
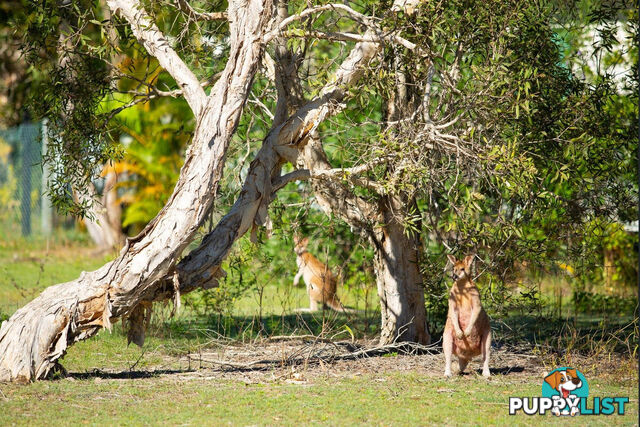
{"x": 366, "y": 399}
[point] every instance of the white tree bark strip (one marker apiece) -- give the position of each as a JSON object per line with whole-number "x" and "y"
{"x": 38, "y": 334}
{"x": 158, "y": 46}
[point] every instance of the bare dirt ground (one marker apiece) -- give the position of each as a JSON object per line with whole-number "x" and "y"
{"x": 301, "y": 360}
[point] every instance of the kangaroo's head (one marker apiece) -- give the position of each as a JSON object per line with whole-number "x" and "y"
{"x": 461, "y": 268}
{"x": 300, "y": 244}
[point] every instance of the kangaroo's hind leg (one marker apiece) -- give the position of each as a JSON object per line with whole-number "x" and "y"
{"x": 486, "y": 350}
{"x": 447, "y": 349}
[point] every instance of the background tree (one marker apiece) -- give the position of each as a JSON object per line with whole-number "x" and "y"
{"x": 486, "y": 139}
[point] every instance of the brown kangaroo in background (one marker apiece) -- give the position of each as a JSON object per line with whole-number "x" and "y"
{"x": 467, "y": 332}
{"x": 321, "y": 283}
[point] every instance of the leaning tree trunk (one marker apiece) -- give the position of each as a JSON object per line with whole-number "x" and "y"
{"x": 399, "y": 279}
{"x": 38, "y": 334}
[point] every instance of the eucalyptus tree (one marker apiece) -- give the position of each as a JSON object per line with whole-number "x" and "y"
{"x": 149, "y": 267}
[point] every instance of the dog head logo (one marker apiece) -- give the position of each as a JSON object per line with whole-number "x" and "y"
{"x": 565, "y": 386}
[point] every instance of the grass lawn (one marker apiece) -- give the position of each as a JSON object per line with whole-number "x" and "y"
{"x": 112, "y": 383}
{"x": 29, "y": 266}
{"x": 380, "y": 399}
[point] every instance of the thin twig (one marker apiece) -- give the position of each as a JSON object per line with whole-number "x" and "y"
{"x": 186, "y": 8}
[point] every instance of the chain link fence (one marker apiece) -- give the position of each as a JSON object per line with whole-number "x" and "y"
{"x": 24, "y": 207}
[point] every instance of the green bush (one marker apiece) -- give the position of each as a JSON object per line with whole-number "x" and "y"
{"x": 588, "y": 302}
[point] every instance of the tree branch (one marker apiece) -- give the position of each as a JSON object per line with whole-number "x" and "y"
{"x": 296, "y": 175}
{"x": 364, "y": 19}
{"x": 187, "y": 9}
{"x": 158, "y": 46}
{"x": 332, "y": 195}
{"x": 337, "y": 175}
{"x": 153, "y": 93}
{"x": 374, "y": 34}
{"x": 202, "y": 266}
{"x": 341, "y": 175}
{"x": 352, "y": 37}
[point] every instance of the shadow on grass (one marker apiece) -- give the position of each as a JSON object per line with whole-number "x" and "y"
{"x": 517, "y": 332}
{"x": 327, "y": 324}
{"x": 266, "y": 366}
{"x": 125, "y": 375}
{"x": 495, "y": 371}
{"x": 338, "y": 332}
{"x": 582, "y": 333}
{"x": 504, "y": 371}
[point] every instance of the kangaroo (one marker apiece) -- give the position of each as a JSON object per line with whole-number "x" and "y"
{"x": 467, "y": 332}
{"x": 321, "y": 283}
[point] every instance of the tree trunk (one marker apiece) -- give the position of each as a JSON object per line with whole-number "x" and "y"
{"x": 397, "y": 251}
{"x": 609, "y": 267}
{"x": 38, "y": 334}
{"x": 399, "y": 279}
{"x": 398, "y": 275}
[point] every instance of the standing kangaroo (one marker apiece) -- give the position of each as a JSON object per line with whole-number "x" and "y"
{"x": 321, "y": 283}
{"x": 467, "y": 332}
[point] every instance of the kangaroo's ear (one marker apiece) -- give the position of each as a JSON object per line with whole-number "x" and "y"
{"x": 468, "y": 260}
{"x": 553, "y": 380}
{"x": 452, "y": 259}
{"x": 304, "y": 242}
